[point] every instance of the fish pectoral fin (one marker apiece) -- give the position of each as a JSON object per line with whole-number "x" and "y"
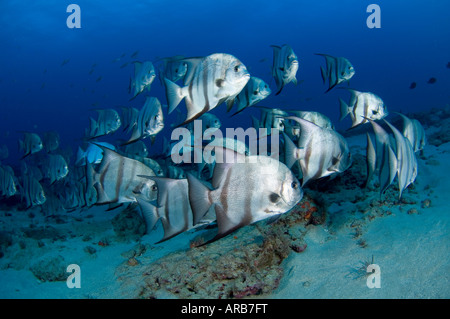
{"x": 149, "y": 213}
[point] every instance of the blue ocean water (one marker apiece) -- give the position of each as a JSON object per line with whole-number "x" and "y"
{"x": 38, "y": 94}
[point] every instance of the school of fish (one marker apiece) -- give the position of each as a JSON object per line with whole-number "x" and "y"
{"x": 248, "y": 186}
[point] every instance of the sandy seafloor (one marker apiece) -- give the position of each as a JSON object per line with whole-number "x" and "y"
{"x": 409, "y": 242}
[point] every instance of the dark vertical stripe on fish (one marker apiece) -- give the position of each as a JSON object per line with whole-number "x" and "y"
{"x": 247, "y": 218}
{"x": 224, "y": 194}
{"x": 103, "y": 174}
{"x": 321, "y": 166}
{"x": 119, "y": 179}
{"x": 247, "y": 99}
{"x": 307, "y": 155}
{"x": 366, "y": 108}
{"x": 205, "y": 88}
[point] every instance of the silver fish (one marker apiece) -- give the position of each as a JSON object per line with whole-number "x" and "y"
{"x": 384, "y": 157}
{"x": 338, "y": 70}
{"x": 251, "y": 189}
{"x": 72, "y": 195}
{"x": 32, "y": 191}
{"x": 108, "y": 122}
{"x": 414, "y": 132}
{"x": 30, "y": 144}
{"x": 150, "y": 121}
{"x": 55, "y": 168}
{"x": 406, "y": 160}
{"x": 285, "y": 66}
{"x": 174, "y": 68}
{"x": 116, "y": 179}
{"x": 321, "y": 152}
{"x": 173, "y": 209}
{"x": 315, "y": 117}
{"x": 7, "y": 184}
{"x": 363, "y": 106}
{"x": 144, "y": 74}
{"x": 51, "y": 141}
{"x": 210, "y": 81}
{"x": 209, "y": 121}
{"x": 254, "y": 91}
{"x": 271, "y": 118}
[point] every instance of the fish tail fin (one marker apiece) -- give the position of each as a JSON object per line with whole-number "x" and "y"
{"x": 173, "y": 93}
{"x": 149, "y": 214}
{"x": 290, "y": 151}
{"x": 198, "y": 197}
{"x": 344, "y": 109}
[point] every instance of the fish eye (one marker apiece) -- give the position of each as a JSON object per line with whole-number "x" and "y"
{"x": 374, "y": 112}
{"x": 294, "y": 185}
{"x": 176, "y": 70}
{"x": 154, "y": 188}
{"x": 265, "y": 86}
{"x": 236, "y": 68}
{"x": 255, "y": 93}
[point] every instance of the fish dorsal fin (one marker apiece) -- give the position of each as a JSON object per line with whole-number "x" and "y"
{"x": 381, "y": 136}
{"x": 399, "y": 138}
{"x": 192, "y": 64}
{"x": 307, "y": 128}
{"x": 276, "y": 54}
{"x": 406, "y": 120}
{"x": 108, "y": 156}
{"x": 137, "y": 67}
